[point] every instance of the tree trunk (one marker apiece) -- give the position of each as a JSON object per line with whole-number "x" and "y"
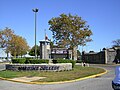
{"x": 74, "y": 53}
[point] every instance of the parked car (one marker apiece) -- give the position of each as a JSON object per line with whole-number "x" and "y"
{"x": 116, "y": 81}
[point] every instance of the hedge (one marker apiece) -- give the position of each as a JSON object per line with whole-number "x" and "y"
{"x": 36, "y": 61}
{"x": 29, "y": 61}
{"x": 79, "y": 61}
{"x": 18, "y": 60}
{"x": 64, "y": 61}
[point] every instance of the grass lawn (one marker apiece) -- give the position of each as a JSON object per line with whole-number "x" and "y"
{"x": 77, "y": 72}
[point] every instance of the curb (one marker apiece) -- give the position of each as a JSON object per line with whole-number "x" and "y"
{"x": 61, "y": 82}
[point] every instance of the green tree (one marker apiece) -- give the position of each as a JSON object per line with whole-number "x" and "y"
{"x": 32, "y": 51}
{"x": 12, "y": 43}
{"x": 78, "y": 53}
{"x": 70, "y": 31}
{"x": 5, "y": 38}
{"x": 18, "y": 46}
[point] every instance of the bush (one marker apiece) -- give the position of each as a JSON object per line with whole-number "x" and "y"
{"x": 18, "y": 60}
{"x": 29, "y": 61}
{"x": 36, "y": 61}
{"x": 65, "y": 61}
{"x": 28, "y": 58}
{"x": 79, "y": 61}
{"x": 44, "y": 61}
{"x": 55, "y": 61}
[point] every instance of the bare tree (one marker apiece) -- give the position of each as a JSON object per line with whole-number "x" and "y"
{"x": 116, "y": 42}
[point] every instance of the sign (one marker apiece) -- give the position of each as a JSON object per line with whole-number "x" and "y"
{"x": 59, "y": 51}
{"x": 39, "y": 67}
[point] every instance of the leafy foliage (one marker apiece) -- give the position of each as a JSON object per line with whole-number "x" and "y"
{"x": 18, "y": 60}
{"x": 14, "y": 44}
{"x": 78, "y": 55}
{"x": 70, "y": 30}
{"x": 18, "y": 46}
{"x": 36, "y": 61}
{"x": 32, "y": 51}
{"x": 5, "y": 37}
{"x": 64, "y": 61}
{"x": 29, "y": 61}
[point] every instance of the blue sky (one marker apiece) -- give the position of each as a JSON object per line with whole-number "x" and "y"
{"x": 103, "y": 16}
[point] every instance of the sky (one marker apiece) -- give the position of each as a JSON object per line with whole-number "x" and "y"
{"x": 103, "y": 17}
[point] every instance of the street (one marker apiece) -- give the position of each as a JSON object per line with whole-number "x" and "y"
{"x": 98, "y": 83}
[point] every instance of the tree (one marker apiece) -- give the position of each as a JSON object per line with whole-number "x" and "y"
{"x": 12, "y": 43}
{"x": 18, "y": 46}
{"x": 32, "y": 51}
{"x": 5, "y": 38}
{"x": 116, "y": 42}
{"x": 70, "y": 31}
{"x": 78, "y": 55}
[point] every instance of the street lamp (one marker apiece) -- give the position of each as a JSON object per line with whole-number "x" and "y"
{"x": 35, "y": 11}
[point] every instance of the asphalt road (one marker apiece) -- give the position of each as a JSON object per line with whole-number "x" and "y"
{"x": 99, "y": 83}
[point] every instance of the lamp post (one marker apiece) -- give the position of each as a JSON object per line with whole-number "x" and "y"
{"x": 35, "y": 11}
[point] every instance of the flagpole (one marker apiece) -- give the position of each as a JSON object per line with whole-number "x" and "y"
{"x": 45, "y": 45}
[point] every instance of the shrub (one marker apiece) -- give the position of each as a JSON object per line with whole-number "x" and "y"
{"x": 79, "y": 61}
{"x": 29, "y": 61}
{"x": 65, "y": 61}
{"x": 18, "y": 60}
{"x": 44, "y": 61}
{"x": 55, "y": 61}
{"x": 36, "y": 61}
{"x": 28, "y": 58}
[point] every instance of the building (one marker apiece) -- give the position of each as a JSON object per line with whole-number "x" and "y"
{"x": 61, "y": 53}
{"x": 46, "y": 52}
{"x": 106, "y": 56}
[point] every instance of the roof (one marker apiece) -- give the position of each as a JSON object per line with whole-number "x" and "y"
{"x": 47, "y": 41}
{"x": 117, "y": 47}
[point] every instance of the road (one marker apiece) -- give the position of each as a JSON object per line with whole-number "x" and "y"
{"x": 99, "y": 83}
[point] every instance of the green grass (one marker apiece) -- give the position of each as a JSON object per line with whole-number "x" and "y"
{"x": 77, "y": 72}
